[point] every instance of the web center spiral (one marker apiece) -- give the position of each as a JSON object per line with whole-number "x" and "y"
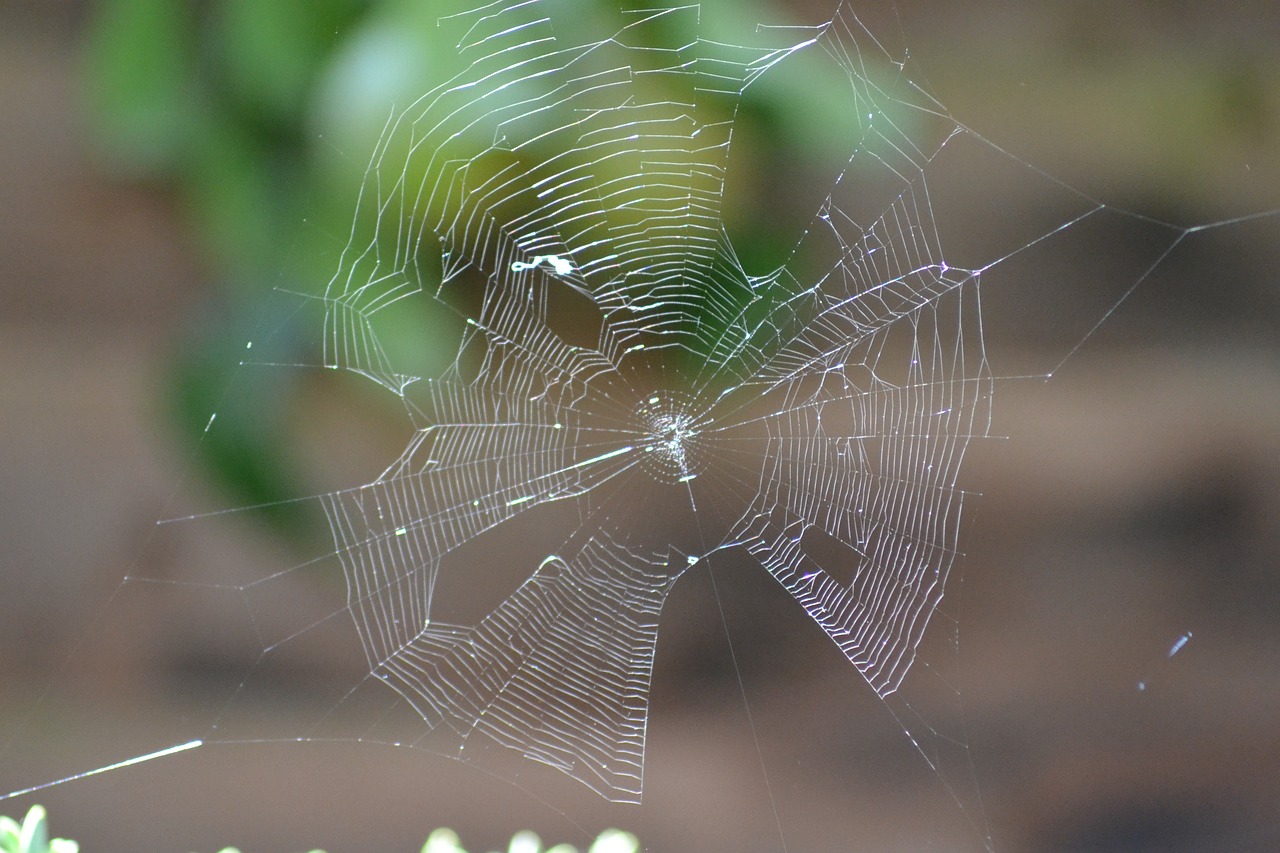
{"x": 669, "y": 430}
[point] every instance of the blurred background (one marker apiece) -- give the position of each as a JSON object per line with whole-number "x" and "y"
{"x": 169, "y": 167}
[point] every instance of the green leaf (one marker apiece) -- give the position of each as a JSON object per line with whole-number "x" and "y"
{"x": 140, "y": 80}
{"x": 9, "y": 830}
{"x": 272, "y": 49}
{"x": 443, "y": 841}
{"x": 615, "y": 841}
{"x": 34, "y": 837}
{"x": 525, "y": 842}
{"x": 233, "y": 196}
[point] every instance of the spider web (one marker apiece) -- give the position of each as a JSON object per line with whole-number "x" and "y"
{"x": 629, "y": 397}
{"x": 622, "y": 364}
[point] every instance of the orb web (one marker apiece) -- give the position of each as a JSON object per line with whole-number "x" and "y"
{"x": 689, "y": 408}
{"x": 611, "y": 392}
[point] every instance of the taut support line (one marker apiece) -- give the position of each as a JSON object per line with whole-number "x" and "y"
{"x": 138, "y": 760}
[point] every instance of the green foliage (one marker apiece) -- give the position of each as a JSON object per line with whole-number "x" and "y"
{"x": 447, "y": 841}
{"x": 32, "y": 835}
{"x": 609, "y": 841}
{"x": 213, "y": 101}
{"x": 260, "y": 116}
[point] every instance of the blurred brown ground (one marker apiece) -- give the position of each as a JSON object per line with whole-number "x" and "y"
{"x": 1135, "y": 499}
